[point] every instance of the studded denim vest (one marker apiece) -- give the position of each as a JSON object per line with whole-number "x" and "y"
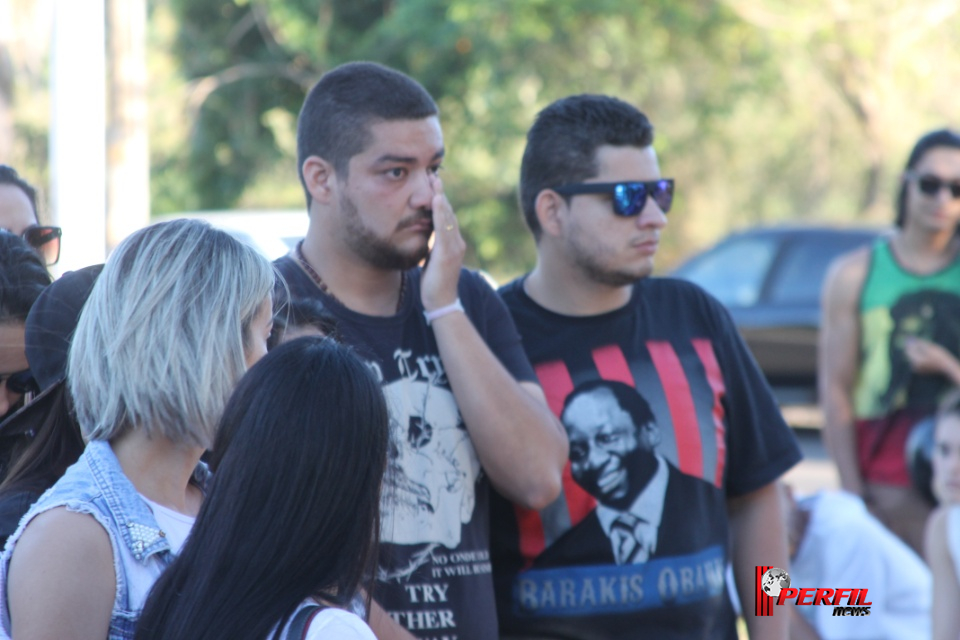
{"x": 97, "y": 486}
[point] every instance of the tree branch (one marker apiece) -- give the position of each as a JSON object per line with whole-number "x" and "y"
{"x": 202, "y": 88}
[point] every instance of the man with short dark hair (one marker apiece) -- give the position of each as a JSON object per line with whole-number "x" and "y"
{"x": 675, "y": 440}
{"x": 466, "y": 412}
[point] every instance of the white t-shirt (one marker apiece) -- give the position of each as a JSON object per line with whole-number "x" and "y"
{"x": 332, "y": 624}
{"x": 141, "y": 575}
{"x": 846, "y": 547}
{"x": 174, "y": 524}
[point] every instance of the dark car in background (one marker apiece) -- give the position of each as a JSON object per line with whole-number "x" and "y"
{"x": 770, "y": 280}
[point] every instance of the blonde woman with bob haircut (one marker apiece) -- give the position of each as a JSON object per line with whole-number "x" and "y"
{"x": 179, "y": 313}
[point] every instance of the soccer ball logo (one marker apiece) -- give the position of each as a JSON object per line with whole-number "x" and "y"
{"x": 774, "y": 580}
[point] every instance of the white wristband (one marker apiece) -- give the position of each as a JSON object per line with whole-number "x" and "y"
{"x": 442, "y": 311}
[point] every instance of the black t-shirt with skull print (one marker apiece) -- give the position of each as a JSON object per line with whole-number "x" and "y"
{"x": 434, "y": 575}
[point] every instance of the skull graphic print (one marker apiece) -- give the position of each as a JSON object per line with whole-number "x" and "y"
{"x": 429, "y": 490}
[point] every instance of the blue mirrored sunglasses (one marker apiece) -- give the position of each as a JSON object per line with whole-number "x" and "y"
{"x": 629, "y": 198}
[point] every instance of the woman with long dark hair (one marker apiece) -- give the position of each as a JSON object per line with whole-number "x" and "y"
{"x": 890, "y": 338}
{"x": 290, "y": 525}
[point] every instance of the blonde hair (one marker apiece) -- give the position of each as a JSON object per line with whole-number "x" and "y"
{"x": 160, "y": 342}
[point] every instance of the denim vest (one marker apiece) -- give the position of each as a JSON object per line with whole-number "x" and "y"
{"x": 97, "y": 486}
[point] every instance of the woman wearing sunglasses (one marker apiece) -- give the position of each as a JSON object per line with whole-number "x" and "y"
{"x": 18, "y": 215}
{"x": 177, "y": 315}
{"x": 890, "y": 340}
{"x": 22, "y": 279}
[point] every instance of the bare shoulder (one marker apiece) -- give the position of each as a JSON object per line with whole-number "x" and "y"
{"x": 60, "y": 525}
{"x": 847, "y": 274}
{"x": 61, "y": 573}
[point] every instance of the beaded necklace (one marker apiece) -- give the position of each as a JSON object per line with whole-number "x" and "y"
{"x": 317, "y": 280}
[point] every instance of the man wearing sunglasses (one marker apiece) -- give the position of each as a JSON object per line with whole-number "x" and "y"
{"x": 890, "y": 339}
{"x": 590, "y": 314}
{"x": 18, "y": 215}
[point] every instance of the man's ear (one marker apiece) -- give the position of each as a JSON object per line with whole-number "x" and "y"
{"x": 549, "y": 206}
{"x": 318, "y": 176}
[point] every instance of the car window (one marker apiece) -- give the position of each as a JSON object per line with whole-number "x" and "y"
{"x": 799, "y": 278}
{"x": 735, "y": 270}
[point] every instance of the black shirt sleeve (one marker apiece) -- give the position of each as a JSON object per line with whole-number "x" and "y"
{"x": 761, "y": 445}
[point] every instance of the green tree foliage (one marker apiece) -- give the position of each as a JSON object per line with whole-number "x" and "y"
{"x": 766, "y": 110}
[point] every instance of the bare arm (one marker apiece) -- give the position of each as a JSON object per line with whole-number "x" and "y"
{"x": 519, "y": 442}
{"x": 837, "y": 362}
{"x": 759, "y": 538}
{"x": 521, "y": 445}
{"x": 946, "y": 588}
{"x": 385, "y": 627}
{"x": 61, "y": 582}
{"x": 931, "y": 358}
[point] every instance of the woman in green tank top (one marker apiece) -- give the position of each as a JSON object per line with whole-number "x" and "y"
{"x": 890, "y": 341}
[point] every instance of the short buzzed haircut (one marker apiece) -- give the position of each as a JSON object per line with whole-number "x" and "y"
{"x": 335, "y": 120}
{"x": 562, "y": 144}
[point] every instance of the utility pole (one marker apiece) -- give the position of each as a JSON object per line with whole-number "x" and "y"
{"x": 77, "y": 130}
{"x": 128, "y": 151}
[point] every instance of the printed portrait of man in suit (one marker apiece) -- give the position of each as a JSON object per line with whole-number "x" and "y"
{"x": 613, "y": 437}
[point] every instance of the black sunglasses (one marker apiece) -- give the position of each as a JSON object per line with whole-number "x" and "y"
{"x": 629, "y": 198}
{"x": 46, "y": 242}
{"x": 20, "y": 382}
{"x": 930, "y": 185}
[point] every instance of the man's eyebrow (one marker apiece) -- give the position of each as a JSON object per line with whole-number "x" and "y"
{"x": 389, "y": 158}
{"x": 392, "y": 159}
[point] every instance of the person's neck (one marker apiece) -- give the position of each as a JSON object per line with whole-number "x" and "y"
{"x": 351, "y": 280}
{"x": 160, "y": 469}
{"x": 561, "y": 287}
{"x": 925, "y": 251}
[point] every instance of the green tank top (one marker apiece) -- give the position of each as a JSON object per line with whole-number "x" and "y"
{"x": 895, "y": 305}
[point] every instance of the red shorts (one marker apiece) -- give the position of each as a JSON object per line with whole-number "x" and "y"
{"x": 881, "y": 446}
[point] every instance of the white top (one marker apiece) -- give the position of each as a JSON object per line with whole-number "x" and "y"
{"x": 142, "y": 576}
{"x": 332, "y": 624}
{"x": 174, "y": 524}
{"x": 846, "y": 547}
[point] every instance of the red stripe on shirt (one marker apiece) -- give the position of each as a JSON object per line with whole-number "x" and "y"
{"x": 680, "y": 402}
{"x": 612, "y": 365}
{"x": 708, "y": 357}
{"x": 557, "y": 385}
{"x": 532, "y": 539}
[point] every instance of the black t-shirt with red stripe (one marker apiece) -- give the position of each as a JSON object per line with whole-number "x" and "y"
{"x": 719, "y": 431}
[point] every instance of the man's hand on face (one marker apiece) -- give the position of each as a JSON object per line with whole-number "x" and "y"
{"x": 442, "y": 272}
